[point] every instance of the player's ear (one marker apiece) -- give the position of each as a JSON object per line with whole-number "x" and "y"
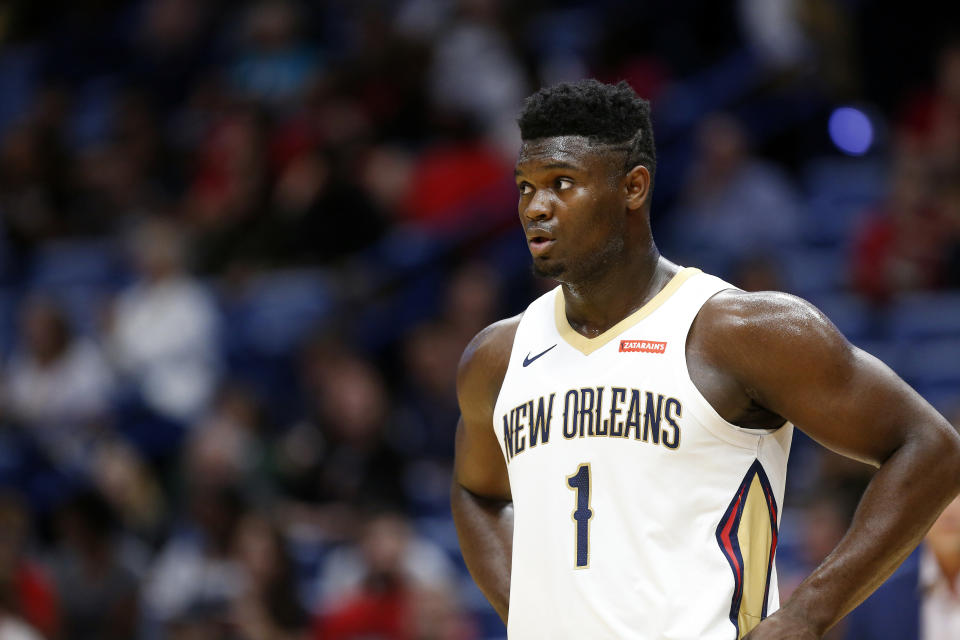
{"x": 637, "y": 185}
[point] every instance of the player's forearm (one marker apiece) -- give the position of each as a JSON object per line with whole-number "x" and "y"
{"x": 900, "y": 503}
{"x": 485, "y": 530}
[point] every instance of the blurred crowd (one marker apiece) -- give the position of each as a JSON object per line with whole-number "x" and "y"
{"x": 243, "y": 244}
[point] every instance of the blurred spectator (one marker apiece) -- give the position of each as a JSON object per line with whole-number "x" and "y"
{"x": 324, "y": 211}
{"x": 435, "y": 614}
{"x": 59, "y": 385}
{"x": 199, "y": 624}
{"x": 273, "y": 65}
{"x": 476, "y": 72}
{"x": 734, "y": 204}
{"x": 472, "y": 300}
{"x": 163, "y": 336}
{"x": 128, "y": 484}
{"x": 930, "y": 125}
{"x": 758, "y": 272}
{"x": 124, "y": 172}
{"x": 27, "y": 596}
{"x": 229, "y": 187}
{"x": 811, "y": 38}
{"x": 195, "y": 577}
{"x": 337, "y": 455}
{"x": 899, "y": 246}
{"x": 372, "y": 590}
{"x": 423, "y": 18}
{"x": 827, "y": 518}
{"x": 269, "y": 607}
{"x": 33, "y": 176}
{"x": 774, "y": 30}
{"x": 950, "y": 210}
{"x": 922, "y": 599}
{"x": 832, "y": 32}
{"x": 13, "y": 629}
{"x": 225, "y": 447}
{"x": 56, "y": 377}
{"x": 458, "y": 182}
{"x": 171, "y": 50}
{"x": 427, "y": 401}
{"x": 824, "y": 521}
{"x": 381, "y": 76}
{"x": 100, "y": 593}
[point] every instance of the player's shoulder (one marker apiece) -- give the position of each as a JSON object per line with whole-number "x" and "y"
{"x": 736, "y": 322}
{"x": 483, "y": 364}
{"x": 735, "y": 310}
{"x": 488, "y": 353}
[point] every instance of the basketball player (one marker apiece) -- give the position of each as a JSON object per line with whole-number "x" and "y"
{"x": 621, "y": 456}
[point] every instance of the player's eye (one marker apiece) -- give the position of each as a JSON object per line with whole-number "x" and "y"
{"x": 525, "y": 188}
{"x": 564, "y": 183}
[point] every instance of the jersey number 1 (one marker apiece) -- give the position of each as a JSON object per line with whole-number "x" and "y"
{"x": 580, "y": 482}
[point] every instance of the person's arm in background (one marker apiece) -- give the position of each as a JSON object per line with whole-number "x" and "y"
{"x": 480, "y": 495}
{"x": 787, "y": 357}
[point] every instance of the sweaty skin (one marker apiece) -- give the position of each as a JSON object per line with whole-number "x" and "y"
{"x": 760, "y": 359}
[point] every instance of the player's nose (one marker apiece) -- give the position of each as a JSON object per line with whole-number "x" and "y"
{"x": 540, "y": 206}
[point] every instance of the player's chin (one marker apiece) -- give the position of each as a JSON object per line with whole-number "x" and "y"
{"x": 546, "y": 268}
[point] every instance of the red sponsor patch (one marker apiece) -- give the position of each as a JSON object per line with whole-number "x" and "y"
{"x": 642, "y": 346}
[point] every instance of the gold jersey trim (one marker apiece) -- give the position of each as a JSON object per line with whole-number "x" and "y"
{"x": 586, "y": 345}
{"x": 755, "y": 535}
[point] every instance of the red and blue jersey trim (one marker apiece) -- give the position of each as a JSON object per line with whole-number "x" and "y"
{"x": 728, "y": 538}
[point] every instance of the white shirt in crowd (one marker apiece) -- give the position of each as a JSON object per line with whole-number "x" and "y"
{"x": 76, "y": 387}
{"x": 14, "y": 629}
{"x": 940, "y": 610}
{"x": 165, "y": 337}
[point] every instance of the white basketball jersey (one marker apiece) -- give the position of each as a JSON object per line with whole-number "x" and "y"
{"x": 638, "y": 511}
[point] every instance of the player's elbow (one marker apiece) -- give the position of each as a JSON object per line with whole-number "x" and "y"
{"x": 943, "y": 445}
{"x": 952, "y": 454}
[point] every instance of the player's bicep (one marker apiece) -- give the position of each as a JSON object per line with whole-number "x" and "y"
{"x": 855, "y": 405}
{"x": 478, "y": 462}
{"x": 794, "y": 362}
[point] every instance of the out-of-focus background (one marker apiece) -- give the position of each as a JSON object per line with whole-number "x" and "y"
{"x": 243, "y": 244}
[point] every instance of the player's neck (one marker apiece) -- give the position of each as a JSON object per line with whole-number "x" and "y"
{"x": 595, "y": 306}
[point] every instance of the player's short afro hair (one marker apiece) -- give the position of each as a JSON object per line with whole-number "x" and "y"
{"x": 610, "y": 114}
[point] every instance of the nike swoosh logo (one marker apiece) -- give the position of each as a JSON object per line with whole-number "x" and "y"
{"x": 528, "y": 360}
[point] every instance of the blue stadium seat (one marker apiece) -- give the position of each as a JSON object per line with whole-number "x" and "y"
{"x": 852, "y": 315}
{"x": 401, "y": 251}
{"x": 839, "y": 190}
{"x": 80, "y": 275}
{"x": 933, "y": 363}
{"x": 812, "y": 271}
{"x": 945, "y": 398}
{"x": 279, "y": 310}
{"x": 308, "y": 552}
{"x": 441, "y": 531}
{"x": 922, "y": 316}
{"x": 887, "y": 351}
{"x": 8, "y": 321}
{"x": 76, "y": 263}
{"x": 491, "y": 627}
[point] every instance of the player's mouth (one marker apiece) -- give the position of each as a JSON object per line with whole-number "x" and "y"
{"x": 539, "y": 244}
{"x": 539, "y": 240}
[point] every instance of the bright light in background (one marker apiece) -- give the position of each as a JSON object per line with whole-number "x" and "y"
{"x": 851, "y": 130}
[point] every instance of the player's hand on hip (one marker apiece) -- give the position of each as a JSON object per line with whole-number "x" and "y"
{"x": 781, "y": 627}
